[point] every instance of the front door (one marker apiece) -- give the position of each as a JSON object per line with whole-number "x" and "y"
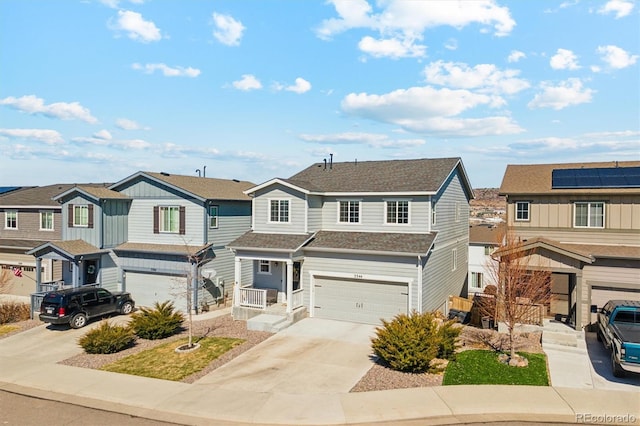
{"x": 90, "y": 272}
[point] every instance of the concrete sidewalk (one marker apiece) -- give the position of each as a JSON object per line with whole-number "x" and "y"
{"x": 25, "y": 370}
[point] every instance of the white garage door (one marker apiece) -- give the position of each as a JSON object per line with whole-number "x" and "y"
{"x": 601, "y": 295}
{"x": 146, "y": 289}
{"x": 358, "y": 301}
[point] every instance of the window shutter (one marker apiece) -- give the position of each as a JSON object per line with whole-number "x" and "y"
{"x": 182, "y": 220}
{"x": 90, "y": 213}
{"x": 156, "y": 225}
{"x": 70, "y": 219}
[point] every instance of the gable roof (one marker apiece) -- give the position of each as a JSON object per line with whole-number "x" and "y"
{"x": 536, "y": 179}
{"x": 38, "y": 196}
{"x": 95, "y": 192}
{"x": 203, "y": 188}
{"x": 416, "y": 176}
{"x": 486, "y": 234}
{"x": 69, "y": 248}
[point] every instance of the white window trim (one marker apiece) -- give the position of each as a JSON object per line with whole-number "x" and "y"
{"x": 80, "y": 207}
{"x": 282, "y": 222}
{"x": 161, "y": 229}
{"x": 515, "y": 211}
{"x": 359, "y": 211}
{"x": 217, "y": 216}
{"x": 454, "y": 259}
{"x": 434, "y": 214}
{"x": 481, "y": 274}
{"x": 6, "y": 219}
{"x": 589, "y": 203}
{"x": 386, "y": 209}
{"x": 264, "y": 262}
{"x": 53, "y": 225}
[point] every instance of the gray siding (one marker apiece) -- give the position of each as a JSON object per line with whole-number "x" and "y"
{"x": 234, "y": 219}
{"x": 314, "y": 221}
{"x": 91, "y": 235}
{"x": 439, "y": 280}
{"x": 141, "y": 222}
{"x": 297, "y": 211}
{"x": 110, "y": 276}
{"x": 116, "y": 219}
{"x": 373, "y": 212}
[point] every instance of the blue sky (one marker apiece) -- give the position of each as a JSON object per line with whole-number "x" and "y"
{"x": 94, "y": 91}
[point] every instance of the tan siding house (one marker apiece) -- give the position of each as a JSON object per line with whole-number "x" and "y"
{"x": 583, "y": 220}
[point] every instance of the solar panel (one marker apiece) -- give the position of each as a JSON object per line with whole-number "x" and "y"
{"x": 610, "y": 177}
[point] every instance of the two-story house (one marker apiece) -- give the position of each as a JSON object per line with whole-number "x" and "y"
{"x": 582, "y": 222}
{"x": 358, "y": 241}
{"x": 151, "y": 232}
{"x": 30, "y": 217}
{"x": 483, "y": 240}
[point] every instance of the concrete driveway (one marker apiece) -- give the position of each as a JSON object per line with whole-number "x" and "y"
{"x": 602, "y": 376}
{"x": 313, "y": 356}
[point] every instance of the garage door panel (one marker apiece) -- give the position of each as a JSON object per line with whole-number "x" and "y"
{"x": 359, "y": 301}
{"x": 146, "y": 289}
{"x": 601, "y": 295}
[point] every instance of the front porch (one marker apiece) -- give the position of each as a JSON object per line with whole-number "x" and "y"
{"x": 262, "y": 311}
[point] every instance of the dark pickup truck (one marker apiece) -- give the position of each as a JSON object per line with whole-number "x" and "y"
{"x": 76, "y": 306}
{"x": 619, "y": 331}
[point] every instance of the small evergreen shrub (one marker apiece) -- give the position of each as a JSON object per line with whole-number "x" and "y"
{"x": 157, "y": 323}
{"x": 409, "y": 343}
{"x": 14, "y": 312}
{"x": 107, "y": 339}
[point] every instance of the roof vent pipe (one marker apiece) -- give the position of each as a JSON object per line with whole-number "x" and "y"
{"x": 204, "y": 171}
{"x": 330, "y": 161}
{"x": 325, "y": 164}
{"x": 198, "y": 170}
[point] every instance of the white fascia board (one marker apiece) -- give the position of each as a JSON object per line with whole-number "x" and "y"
{"x": 375, "y": 194}
{"x": 273, "y": 182}
{"x": 22, "y": 207}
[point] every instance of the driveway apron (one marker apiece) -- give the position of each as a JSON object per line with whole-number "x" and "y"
{"x": 313, "y": 356}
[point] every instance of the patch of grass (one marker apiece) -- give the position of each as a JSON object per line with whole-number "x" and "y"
{"x": 5, "y": 329}
{"x": 162, "y": 362}
{"x": 477, "y": 367}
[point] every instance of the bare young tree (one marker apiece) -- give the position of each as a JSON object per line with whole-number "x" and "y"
{"x": 523, "y": 286}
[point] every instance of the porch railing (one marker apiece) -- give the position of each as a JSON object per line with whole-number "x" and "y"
{"x": 253, "y": 297}
{"x": 296, "y": 299}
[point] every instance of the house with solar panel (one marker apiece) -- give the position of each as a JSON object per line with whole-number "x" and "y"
{"x": 582, "y": 221}
{"x": 356, "y": 241}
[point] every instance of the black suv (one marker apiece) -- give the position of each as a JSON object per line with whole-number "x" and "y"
{"x": 76, "y": 306}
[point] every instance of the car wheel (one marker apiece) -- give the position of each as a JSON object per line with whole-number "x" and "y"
{"x": 78, "y": 321}
{"x": 127, "y": 308}
{"x": 615, "y": 366}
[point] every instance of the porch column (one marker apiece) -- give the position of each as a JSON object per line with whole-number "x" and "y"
{"x": 289, "y": 285}
{"x": 38, "y": 274}
{"x": 236, "y": 283}
{"x": 75, "y": 274}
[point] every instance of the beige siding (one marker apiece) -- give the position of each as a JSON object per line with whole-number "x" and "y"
{"x": 29, "y": 226}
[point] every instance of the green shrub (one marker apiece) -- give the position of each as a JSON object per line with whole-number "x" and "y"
{"x": 409, "y": 343}
{"x": 107, "y": 339}
{"x": 14, "y": 312}
{"x": 157, "y": 323}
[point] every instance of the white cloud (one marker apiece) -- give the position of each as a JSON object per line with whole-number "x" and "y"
{"x": 392, "y": 47}
{"x": 374, "y": 140}
{"x": 228, "y": 30}
{"x": 62, "y": 110}
{"x": 621, "y": 8}
{"x": 616, "y": 57}
{"x": 248, "y": 82}
{"x": 301, "y": 86}
{"x": 49, "y": 137}
{"x": 136, "y": 27}
{"x": 126, "y": 144}
{"x": 564, "y": 60}
{"x": 400, "y": 23}
{"x": 166, "y": 70}
{"x": 126, "y": 124}
{"x": 429, "y": 110}
{"x": 567, "y": 93}
{"x": 486, "y": 78}
{"x": 515, "y": 56}
{"x": 115, "y": 3}
{"x": 103, "y": 134}
{"x": 451, "y": 44}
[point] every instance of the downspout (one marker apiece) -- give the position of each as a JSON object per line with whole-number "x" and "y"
{"x": 419, "y": 297}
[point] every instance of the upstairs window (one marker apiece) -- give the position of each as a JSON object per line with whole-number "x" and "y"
{"x": 81, "y": 216}
{"x": 522, "y": 211}
{"x": 454, "y": 259}
{"x": 169, "y": 219}
{"x": 213, "y": 216}
{"x": 279, "y": 211}
{"x": 46, "y": 220}
{"x": 589, "y": 215}
{"x": 11, "y": 219}
{"x": 433, "y": 214}
{"x": 477, "y": 280}
{"x": 398, "y": 212}
{"x": 349, "y": 212}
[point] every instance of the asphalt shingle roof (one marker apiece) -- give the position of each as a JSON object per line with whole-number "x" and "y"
{"x": 205, "y": 187}
{"x": 256, "y": 240}
{"x": 162, "y": 248}
{"x": 396, "y": 243}
{"x": 486, "y": 234}
{"x": 536, "y": 179}
{"x": 39, "y": 195}
{"x": 420, "y": 175}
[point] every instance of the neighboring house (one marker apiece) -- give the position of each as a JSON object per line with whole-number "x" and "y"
{"x": 30, "y": 217}
{"x": 583, "y": 222}
{"x": 149, "y": 233}
{"x": 483, "y": 240}
{"x": 358, "y": 241}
